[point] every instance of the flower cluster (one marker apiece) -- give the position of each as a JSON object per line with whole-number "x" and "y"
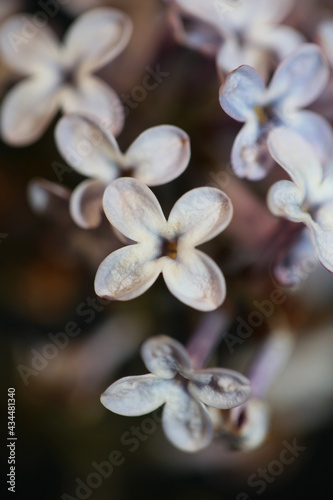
{"x": 184, "y": 392}
{"x": 269, "y": 73}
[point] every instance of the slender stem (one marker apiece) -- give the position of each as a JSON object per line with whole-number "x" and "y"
{"x": 270, "y": 362}
{"x": 210, "y": 330}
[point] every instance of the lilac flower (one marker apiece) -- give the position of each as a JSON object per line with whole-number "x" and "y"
{"x": 240, "y": 31}
{"x": 158, "y": 155}
{"x": 61, "y": 75}
{"x": 164, "y": 246}
{"x": 298, "y": 80}
{"x": 182, "y": 390}
{"x": 307, "y": 198}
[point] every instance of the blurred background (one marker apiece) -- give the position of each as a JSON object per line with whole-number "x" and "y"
{"x": 48, "y": 265}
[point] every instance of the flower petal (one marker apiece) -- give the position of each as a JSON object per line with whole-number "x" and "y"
{"x": 165, "y": 356}
{"x": 200, "y": 214}
{"x": 127, "y": 272}
{"x": 219, "y": 387}
{"x": 241, "y": 92}
{"x": 159, "y": 155}
{"x": 315, "y": 129}
{"x": 325, "y": 32}
{"x": 249, "y": 425}
{"x": 133, "y": 209}
{"x": 300, "y": 78}
{"x": 86, "y": 206}
{"x": 195, "y": 279}
{"x": 137, "y": 395}
{"x": 49, "y": 199}
{"x": 93, "y": 97}
{"x": 27, "y": 110}
{"x": 249, "y": 155}
{"x": 285, "y": 199}
{"x": 204, "y": 10}
{"x": 296, "y": 157}
{"x": 97, "y": 37}
{"x": 186, "y": 422}
{"x": 322, "y": 237}
{"x": 281, "y": 40}
{"x": 88, "y": 147}
{"x": 26, "y": 47}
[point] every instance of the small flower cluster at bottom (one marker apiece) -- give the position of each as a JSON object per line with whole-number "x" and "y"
{"x": 183, "y": 391}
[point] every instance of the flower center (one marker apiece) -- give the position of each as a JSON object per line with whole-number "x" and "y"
{"x": 169, "y": 248}
{"x": 264, "y": 114}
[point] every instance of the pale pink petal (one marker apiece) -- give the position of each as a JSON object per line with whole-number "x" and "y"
{"x": 133, "y": 209}
{"x": 195, "y": 280}
{"x": 127, "y": 272}
{"x": 159, "y": 155}
{"x": 93, "y": 97}
{"x": 27, "y": 110}
{"x": 136, "y": 395}
{"x": 165, "y": 356}
{"x": 249, "y": 155}
{"x": 241, "y": 92}
{"x": 88, "y": 147}
{"x": 297, "y": 157}
{"x": 96, "y": 38}
{"x": 86, "y": 206}
{"x": 200, "y": 214}
{"x": 300, "y": 78}
{"x": 26, "y": 47}
{"x": 219, "y": 387}
{"x": 186, "y": 422}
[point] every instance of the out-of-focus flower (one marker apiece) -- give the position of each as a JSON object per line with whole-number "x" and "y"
{"x": 246, "y": 426}
{"x": 298, "y": 80}
{"x": 61, "y": 75}
{"x": 308, "y": 197}
{"x": 158, "y": 155}
{"x": 184, "y": 391}
{"x": 325, "y": 34}
{"x": 239, "y": 31}
{"x": 166, "y": 247}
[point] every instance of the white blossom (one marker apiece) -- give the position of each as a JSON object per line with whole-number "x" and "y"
{"x": 60, "y": 75}
{"x": 184, "y": 392}
{"x": 162, "y": 246}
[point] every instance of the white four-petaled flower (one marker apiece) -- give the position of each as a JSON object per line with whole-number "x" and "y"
{"x": 308, "y": 197}
{"x": 60, "y": 76}
{"x": 164, "y": 246}
{"x": 297, "y": 82}
{"x": 242, "y": 31}
{"x": 184, "y": 391}
{"x": 157, "y": 156}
